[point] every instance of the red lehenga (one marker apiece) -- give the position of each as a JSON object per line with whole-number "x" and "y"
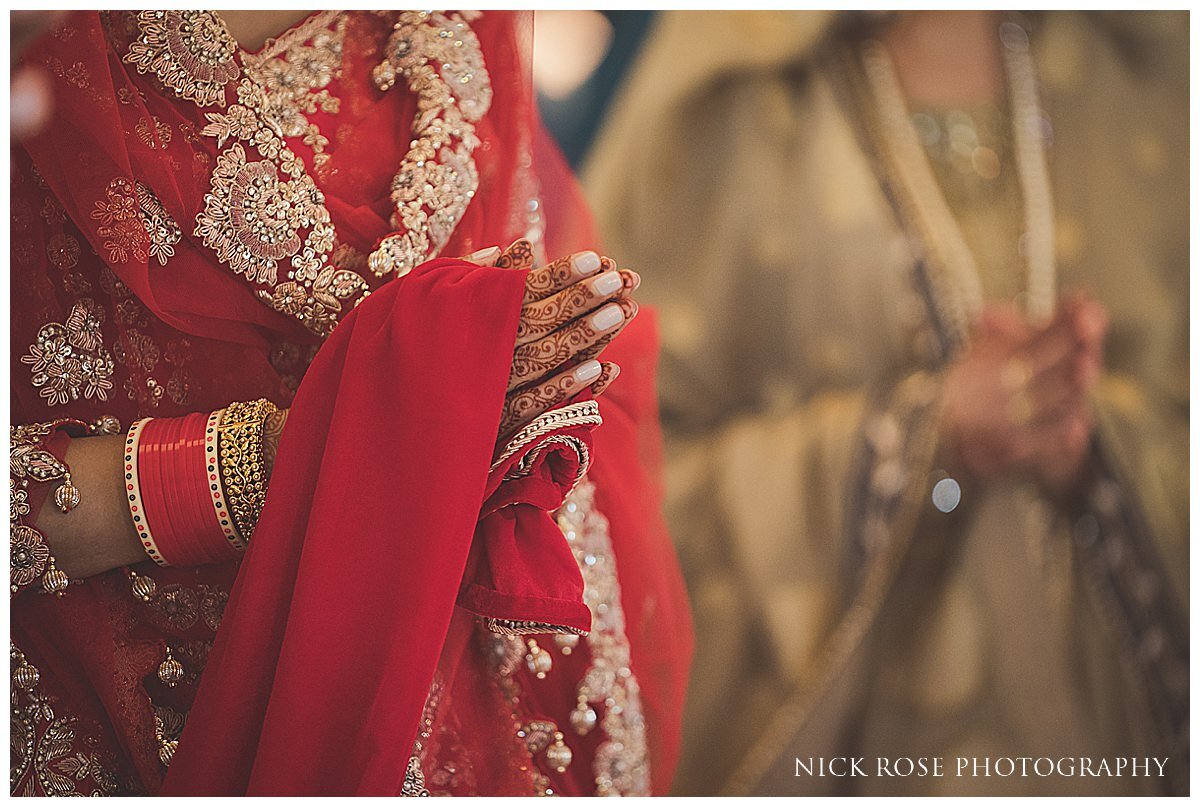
{"x": 345, "y": 665}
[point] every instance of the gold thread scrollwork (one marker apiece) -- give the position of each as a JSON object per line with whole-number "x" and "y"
{"x": 191, "y": 53}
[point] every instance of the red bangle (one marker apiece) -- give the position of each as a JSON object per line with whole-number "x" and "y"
{"x": 175, "y": 495}
{"x": 133, "y": 491}
{"x": 200, "y": 538}
{"x": 150, "y": 479}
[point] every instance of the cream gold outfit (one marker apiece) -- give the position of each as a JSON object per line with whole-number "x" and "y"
{"x": 837, "y": 611}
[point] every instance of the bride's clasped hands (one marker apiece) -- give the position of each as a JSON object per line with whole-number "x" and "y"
{"x": 572, "y": 310}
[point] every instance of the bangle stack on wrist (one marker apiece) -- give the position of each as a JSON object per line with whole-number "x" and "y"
{"x": 197, "y": 483}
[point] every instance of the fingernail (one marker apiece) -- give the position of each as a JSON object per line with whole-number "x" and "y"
{"x": 608, "y": 317}
{"x": 585, "y": 263}
{"x": 483, "y": 255}
{"x": 587, "y": 372}
{"x": 608, "y": 283}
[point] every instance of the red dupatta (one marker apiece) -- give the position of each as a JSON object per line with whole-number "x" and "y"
{"x": 339, "y": 537}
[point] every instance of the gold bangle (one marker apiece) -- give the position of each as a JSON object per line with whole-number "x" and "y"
{"x": 243, "y": 466}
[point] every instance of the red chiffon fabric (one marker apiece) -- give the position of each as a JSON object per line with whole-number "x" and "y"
{"x": 362, "y": 546}
{"x": 344, "y": 613}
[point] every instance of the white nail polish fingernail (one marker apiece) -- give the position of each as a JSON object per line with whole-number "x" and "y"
{"x": 587, "y": 372}
{"x": 585, "y": 263}
{"x": 608, "y": 283}
{"x": 483, "y": 255}
{"x": 608, "y": 317}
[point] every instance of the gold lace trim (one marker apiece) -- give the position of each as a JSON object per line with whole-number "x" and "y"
{"x": 439, "y": 57}
{"x": 584, "y": 413}
{"x": 520, "y": 627}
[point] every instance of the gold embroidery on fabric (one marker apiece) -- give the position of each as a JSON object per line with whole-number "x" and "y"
{"x": 414, "y": 774}
{"x": 256, "y": 216}
{"x": 191, "y": 53}
{"x": 155, "y": 134}
{"x": 53, "y": 212}
{"x": 160, "y": 227}
{"x": 69, "y": 359}
{"x": 621, "y": 765}
{"x": 253, "y": 219}
{"x": 504, "y": 654}
{"x": 30, "y": 462}
{"x": 45, "y": 758}
{"x": 135, "y": 224}
{"x": 168, "y": 726}
{"x": 584, "y": 413}
{"x": 175, "y": 609}
{"x": 63, "y": 251}
{"x": 295, "y": 81}
{"x": 438, "y": 55}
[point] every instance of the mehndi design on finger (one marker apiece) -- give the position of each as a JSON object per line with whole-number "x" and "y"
{"x": 519, "y": 255}
{"x": 549, "y": 279}
{"x": 630, "y": 308}
{"x": 524, "y": 406}
{"x": 545, "y": 316}
{"x": 536, "y": 359}
{"x": 608, "y": 373}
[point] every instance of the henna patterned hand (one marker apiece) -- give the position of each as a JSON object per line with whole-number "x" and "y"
{"x": 573, "y": 308}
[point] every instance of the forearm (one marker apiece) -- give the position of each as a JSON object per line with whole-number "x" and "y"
{"x": 98, "y": 534}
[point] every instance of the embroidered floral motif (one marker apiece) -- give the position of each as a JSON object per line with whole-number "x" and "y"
{"x": 439, "y": 57}
{"x": 69, "y": 359}
{"x": 295, "y": 74}
{"x": 168, "y": 726}
{"x": 264, "y": 212}
{"x": 160, "y": 227}
{"x": 175, "y": 609}
{"x": 30, "y": 462}
{"x": 52, "y": 211}
{"x": 135, "y": 224}
{"x": 63, "y": 251}
{"x": 47, "y": 759}
{"x": 27, "y": 553}
{"x": 191, "y": 53}
{"x": 137, "y": 351}
{"x": 130, "y": 95}
{"x": 253, "y": 218}
{"x": 153, "y": 133}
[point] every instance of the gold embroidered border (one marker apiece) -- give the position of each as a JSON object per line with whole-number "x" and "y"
{"x": 584, "y": 413}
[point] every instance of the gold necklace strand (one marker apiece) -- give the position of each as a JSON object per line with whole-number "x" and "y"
{"x": 1030, "y": 146}
{"x": 960, "y": 288}
{"x": 952, "y": 266}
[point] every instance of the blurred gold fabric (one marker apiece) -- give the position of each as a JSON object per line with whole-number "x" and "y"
{"x": 795, "y": 345}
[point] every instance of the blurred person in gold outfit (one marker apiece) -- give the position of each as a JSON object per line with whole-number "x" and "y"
{"x": 925, "y": 382}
